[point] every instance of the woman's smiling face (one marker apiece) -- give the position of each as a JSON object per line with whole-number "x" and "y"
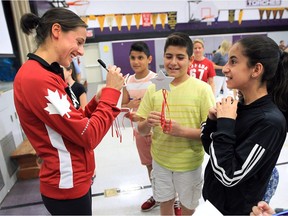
{"x": 71, "y": 44}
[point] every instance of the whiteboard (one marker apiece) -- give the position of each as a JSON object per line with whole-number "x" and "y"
{"x": 5, "y": 41}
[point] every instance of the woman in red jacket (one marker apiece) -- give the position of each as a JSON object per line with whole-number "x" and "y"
{"x": 64, "y": 137}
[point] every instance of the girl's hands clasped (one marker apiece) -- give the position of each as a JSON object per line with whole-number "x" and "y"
{"x": 226, "y": 108}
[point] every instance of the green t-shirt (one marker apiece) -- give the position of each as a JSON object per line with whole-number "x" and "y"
{"x": 188, "y": 104}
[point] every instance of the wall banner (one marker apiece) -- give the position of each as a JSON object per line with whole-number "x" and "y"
{"x": 118, "y": 18}
{"x": 266, "y": 3}
{"x": 101, "y": 19}
{"x": 172, "y": 19}
{"x": 146, "y": 19}
{"x": 240, "y": 16}
{"x": 137, "y": 18}
{"x": 129, "y": 20}
{"x": 268, "y": 13}
{"x": 261, "y": 12}
{"x": 163, "y": 19}
{"x": 109, "y": 20}
{"x": 154, "y": 19}
{"x": 231, "y": 16}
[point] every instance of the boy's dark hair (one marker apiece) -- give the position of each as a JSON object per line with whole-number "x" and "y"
{"x": 179, "y": 39}
{"x": 140, "y": 46}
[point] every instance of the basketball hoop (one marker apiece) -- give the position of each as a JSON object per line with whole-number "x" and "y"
{"x": 58, "y": 3}
{"x": 80, "y": 6}
{"x": 206, "y": 12}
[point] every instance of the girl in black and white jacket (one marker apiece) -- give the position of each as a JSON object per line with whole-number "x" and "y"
{"x": 244, "y": 138}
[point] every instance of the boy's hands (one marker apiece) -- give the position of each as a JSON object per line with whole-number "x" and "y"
{"x": 172, "y": 128}
{"x": 154, "y": 119}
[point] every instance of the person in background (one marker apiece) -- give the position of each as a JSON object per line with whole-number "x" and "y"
{"x": 76, "y": 63}
{"x": 63, "y": 137}
{"x": 77, "y": 88}
{"x": 220, "y": 58}
{"x": 282, "y": 45}
{"x": 136, "y": 86}
{"x": 244, "y": 139}
{"x": 78, "y": 73}
{"x": 176, "y": 148}
{"x": 201, "y": 67}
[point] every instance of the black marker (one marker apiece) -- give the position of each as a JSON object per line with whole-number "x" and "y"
{"x": 102, "y": 64}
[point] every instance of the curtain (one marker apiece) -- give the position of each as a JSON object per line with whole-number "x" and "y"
{"x": 25, "y": 42}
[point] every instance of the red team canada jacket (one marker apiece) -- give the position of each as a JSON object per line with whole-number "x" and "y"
{"x": 62, "y": 136}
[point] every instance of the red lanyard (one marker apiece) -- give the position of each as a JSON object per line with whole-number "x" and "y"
{"x": 165, "y": 110}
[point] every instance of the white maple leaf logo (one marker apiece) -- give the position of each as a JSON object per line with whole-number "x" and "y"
{"x": 58, "y": 105}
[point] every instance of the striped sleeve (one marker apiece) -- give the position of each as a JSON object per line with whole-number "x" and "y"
{"x": 234, "y": 160}
{"x": 254, "y": 156}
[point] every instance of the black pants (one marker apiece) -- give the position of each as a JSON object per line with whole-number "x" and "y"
{"x": 79, "y": 206}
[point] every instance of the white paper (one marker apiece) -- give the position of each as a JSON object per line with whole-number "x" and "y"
{"x": 207, "y": 209}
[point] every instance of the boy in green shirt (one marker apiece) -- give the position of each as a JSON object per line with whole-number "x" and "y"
{"x": 177, "y": 151}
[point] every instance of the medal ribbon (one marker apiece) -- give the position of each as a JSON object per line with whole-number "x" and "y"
{"x": 165, "y": 110}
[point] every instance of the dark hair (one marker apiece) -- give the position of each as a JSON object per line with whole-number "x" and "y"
{"x": 72, "y": 68}
{"x": 74, "y": 74}
{"x": 179, "y": 39}
{"x": 67, "y": 19}
{"x": 140, "y": 46}
{"x": 264, "y": 50}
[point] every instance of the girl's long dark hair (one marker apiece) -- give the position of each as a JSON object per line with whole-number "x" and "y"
{"x": 264, "y": 50}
